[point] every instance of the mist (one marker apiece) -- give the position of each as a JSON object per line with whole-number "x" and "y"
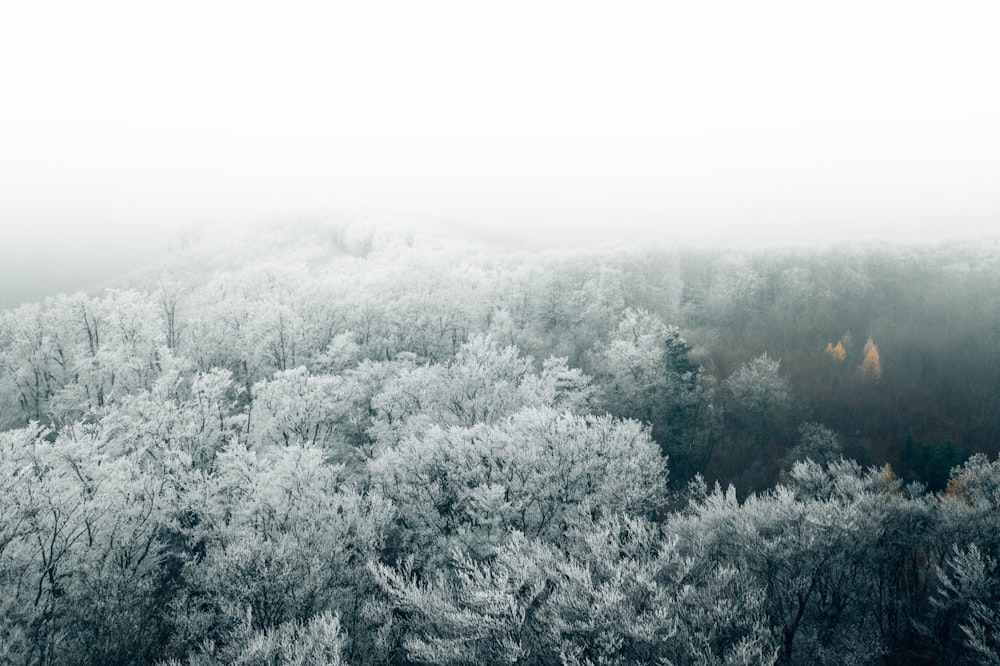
{"x": 538, "y": 126}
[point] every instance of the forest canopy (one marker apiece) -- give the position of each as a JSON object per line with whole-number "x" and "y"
{"x": 348, "y": 443}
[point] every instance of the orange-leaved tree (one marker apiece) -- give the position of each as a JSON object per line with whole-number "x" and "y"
{"x": 871, "y": 367}
{"x": 837, "y": 353}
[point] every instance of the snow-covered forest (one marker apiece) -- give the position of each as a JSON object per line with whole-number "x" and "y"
{"x": 361, "y": 444}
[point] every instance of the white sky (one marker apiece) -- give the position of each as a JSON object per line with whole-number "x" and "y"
{"x": 745, "y": 120}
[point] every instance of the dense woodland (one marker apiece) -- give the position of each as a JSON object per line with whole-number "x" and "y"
{"x": 365, "y": 445}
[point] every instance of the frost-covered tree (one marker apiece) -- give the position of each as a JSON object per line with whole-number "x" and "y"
{"x": 759, "y": 416}
{"x": 74, "y": 354}
{"x": 758, "y": 387}
{"x": 812, "y": 545}
{"x": 484, "y": 383}
{"x": 736, "y": 289}
{"x": 645, "y": 374}
{"x": 963, "y": 626}
{"x": 614, "y": 592}
{"x": 82, "y": 563}
{"x": 196, "y": 414}
{"x": 816, "y": 443}
{"x": 34, "y": 362}
{"x": 539, "y": 472}
{"x": 318, "y": 641}
{"x": 296, "y": 407}
{"x": 970, "y": 506}
{"x": 276, "y": 535}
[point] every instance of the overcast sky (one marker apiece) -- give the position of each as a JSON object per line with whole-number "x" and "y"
{"x": 743, "y": 120}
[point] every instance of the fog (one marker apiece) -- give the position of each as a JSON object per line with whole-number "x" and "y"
{"x": 542, "y": 125}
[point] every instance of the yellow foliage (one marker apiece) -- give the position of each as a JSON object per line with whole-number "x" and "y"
{"x": 837, "y": 353}
{"x": 956, "y": 489}
{"x": 889, "y": 477}
{"x": 871, "y": 367}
